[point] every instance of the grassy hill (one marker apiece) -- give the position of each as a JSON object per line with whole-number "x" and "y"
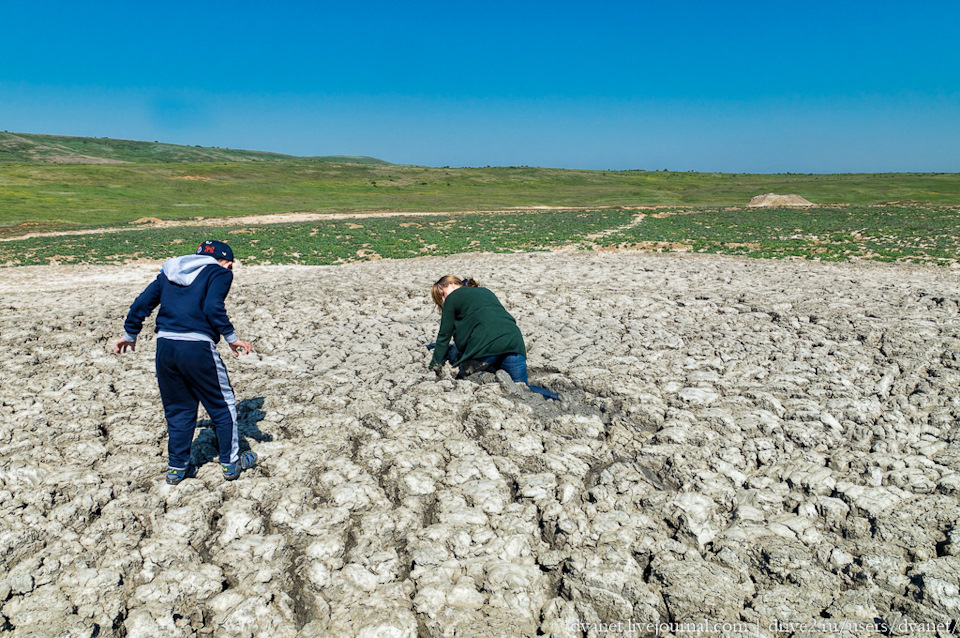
{"x": 60, "y": 183}
{"x": 31, "y": 148}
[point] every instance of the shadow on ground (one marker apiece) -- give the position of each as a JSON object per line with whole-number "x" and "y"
{"x": 249, "y": 414}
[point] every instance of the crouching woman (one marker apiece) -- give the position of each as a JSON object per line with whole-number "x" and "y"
{"x": 485, "y": 335}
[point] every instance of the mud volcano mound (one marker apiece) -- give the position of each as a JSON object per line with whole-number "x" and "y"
{"x": 744, "y": 441}
{"x": 772, "y": 200}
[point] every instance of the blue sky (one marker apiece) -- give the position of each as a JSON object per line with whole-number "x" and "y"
{"x": 709, "y": 86}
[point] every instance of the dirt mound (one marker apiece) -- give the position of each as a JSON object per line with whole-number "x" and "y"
{"x": 772, "y": 200}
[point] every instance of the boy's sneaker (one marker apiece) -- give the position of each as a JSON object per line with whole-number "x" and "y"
{"x": 174, "y": 476}
{"x": 231, "y": 471}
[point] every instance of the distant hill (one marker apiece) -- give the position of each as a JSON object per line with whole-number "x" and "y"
{"x": 30, "y": 148}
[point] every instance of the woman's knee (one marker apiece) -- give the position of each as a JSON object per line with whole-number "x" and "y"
{"x": 516, "y": 366}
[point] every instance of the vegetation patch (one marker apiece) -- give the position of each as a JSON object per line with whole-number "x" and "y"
{"x": 328, "y": 242}
{"x": 901, "y": 233}
{"x": 926, "y": 234}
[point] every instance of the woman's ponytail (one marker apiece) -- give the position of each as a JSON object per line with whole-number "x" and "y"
{"x": 437, "y": 291}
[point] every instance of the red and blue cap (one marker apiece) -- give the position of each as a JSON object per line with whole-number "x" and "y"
{"x": 215, "y": 249}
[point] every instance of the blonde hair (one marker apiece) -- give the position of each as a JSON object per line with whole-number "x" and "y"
{"x": 437, "y": 291}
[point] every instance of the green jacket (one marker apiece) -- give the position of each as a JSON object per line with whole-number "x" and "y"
{"x": 479, "y": 325}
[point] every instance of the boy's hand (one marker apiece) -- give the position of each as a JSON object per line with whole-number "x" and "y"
{"x": 123, "y": 345}
{"x": 241, "y": 347}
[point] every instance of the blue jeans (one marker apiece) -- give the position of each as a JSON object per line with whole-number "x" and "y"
{"x": 513, "y": 364}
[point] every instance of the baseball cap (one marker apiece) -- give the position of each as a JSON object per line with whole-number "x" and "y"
{"x": 215, "y": 249}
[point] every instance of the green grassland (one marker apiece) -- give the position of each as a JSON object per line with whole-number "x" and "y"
{"x": 56, "y": 183}
{"x": 44, "y": 189}
{"x": 83, "y": 196}
{"x": 911, "y": 234}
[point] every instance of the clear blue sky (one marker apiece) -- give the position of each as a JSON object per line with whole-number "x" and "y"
{"x": 710, "y": 86}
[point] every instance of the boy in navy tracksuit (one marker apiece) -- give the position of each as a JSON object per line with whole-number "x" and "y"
{"x": 190, "y": 291}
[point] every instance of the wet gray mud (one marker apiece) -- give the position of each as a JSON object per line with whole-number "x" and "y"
{"x": 753, "y": 442}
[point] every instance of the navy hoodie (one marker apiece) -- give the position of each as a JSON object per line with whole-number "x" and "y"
{"x": 190, "y": 291}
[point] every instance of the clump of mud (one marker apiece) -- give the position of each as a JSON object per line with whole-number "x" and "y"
{"x": 761, "y": 442}
{"x": 772, "y": 200}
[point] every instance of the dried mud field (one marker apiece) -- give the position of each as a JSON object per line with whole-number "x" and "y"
{"x": 765, "y": 448}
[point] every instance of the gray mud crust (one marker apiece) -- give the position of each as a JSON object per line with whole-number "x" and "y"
{"x": 752, "y": 444}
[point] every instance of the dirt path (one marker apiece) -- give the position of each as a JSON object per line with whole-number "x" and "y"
{"x": 302, "y": 217}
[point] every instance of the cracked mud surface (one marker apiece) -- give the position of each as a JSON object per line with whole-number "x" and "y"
{"x": 736, "y": 441}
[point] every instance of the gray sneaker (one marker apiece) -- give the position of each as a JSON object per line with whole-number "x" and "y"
{"x": 175, "y": 476}
{"x": 231, "y": 471}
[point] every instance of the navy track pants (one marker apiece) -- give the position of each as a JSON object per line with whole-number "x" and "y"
{"x": 190, "y": 373}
